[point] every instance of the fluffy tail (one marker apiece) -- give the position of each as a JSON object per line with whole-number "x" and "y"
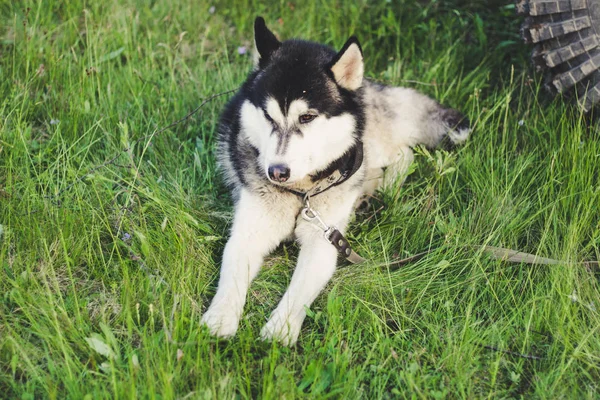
{"x": 456, "y": 127}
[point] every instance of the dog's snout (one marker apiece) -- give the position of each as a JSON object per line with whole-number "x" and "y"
{"x": 279, "y": 172}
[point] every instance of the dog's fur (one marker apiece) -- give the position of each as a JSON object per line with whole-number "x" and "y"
{"x": 304, "y": 107}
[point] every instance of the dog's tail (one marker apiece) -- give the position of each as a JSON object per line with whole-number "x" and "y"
{"x": 426, "y": 121}
{"x": 454, "y": 127}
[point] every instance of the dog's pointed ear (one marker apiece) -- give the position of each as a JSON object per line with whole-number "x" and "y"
{"x": 265, "y": 43}
{"x": 347, "y": 66}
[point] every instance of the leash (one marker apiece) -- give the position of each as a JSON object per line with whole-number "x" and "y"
{"x": 340, "y": 171}
{"x": 500, "y": 254}
{"x": 331, "y": 234}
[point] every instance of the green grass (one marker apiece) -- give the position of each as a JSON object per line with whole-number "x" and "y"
{"x": 104, "y": 279}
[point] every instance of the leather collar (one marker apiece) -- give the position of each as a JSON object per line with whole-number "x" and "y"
{"x": 337, "y": 173}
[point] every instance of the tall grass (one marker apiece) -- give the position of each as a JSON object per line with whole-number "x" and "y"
{"x": 104, "y": 278}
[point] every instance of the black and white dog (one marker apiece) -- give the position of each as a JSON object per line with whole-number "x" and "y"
{"x": 300, "y": 143}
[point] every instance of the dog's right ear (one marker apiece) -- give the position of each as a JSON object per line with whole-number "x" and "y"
{"x": 348, "y": 66}
{"x": 265, "y": 43}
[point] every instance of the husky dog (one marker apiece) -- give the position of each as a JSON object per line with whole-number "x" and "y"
{"x": 301, "y": 142}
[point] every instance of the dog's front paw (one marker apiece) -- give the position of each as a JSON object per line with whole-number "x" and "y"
{"x": 221, "y": 321}
{"x": 282, "y": 329}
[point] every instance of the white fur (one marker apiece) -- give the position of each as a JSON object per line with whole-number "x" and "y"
{"x": 316, "y": 265}
{"x": 258, "y": 228}
{"x": 460, "y": 136}
{"x": 396, "y": 120}
{"x": 259, "y": 225}
{"x": 323, "y": 140}
{"x": 254, "y": 125}
{"x": 272, "y": 107}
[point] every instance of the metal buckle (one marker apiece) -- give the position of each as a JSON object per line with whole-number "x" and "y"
{"x": 312, "y": 216}
{"x": 327, "y": 234}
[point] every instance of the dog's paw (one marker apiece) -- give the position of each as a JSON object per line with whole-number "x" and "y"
{"x": 220, "y": 321}
{"x": 281, "y": 329}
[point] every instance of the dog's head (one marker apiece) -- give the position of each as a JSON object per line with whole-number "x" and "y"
{"x": 304, "y": 106}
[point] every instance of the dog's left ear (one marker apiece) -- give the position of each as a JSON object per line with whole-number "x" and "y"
{"x": 265, "y": 43}
{"x": 347, "y": 66}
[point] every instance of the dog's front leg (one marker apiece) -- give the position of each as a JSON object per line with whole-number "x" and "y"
{"x": 316, "y": 264}
{"x": 257, "y": 230}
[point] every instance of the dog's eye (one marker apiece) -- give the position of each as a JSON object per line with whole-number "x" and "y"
{"x": 268, "y": 117}
{"x": 306, "y": 118}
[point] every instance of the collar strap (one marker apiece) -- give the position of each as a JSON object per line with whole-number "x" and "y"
{"x": 339, "y": 172}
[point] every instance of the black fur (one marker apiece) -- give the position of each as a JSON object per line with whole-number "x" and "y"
{"x": 456, "y": 121}
{"x": 287, "y": 71}
{"x": 266, "y": 42}
{"x": 301, "y": 69}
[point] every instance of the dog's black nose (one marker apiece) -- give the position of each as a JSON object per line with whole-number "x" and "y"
{"x": 279, "y": 172}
